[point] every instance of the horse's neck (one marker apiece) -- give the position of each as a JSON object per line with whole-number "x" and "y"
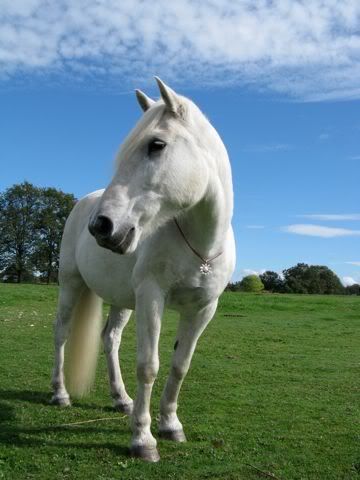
{"x": 206, "y": 224}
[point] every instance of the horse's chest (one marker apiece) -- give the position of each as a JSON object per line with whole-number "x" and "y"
{"x": 196, "y": 291}
{"x": 183, "y": 296}
{"x": 181, "y": 274}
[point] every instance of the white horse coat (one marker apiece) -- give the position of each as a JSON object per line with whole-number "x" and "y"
{"x": 122, "y": 245}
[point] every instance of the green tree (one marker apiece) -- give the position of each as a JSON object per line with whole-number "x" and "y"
{"x": 54, "y": 208}
{"x": 296, "y": 278}
{"x": 19, "y": 206}
{"x": 272, "y": 281}
{"x": 233, "y": 287}
{"x": 352, "y": 289}
{"x": 319, "y": 279}
{"x": 251, "y": 283}
{"x": 32, "y": 220}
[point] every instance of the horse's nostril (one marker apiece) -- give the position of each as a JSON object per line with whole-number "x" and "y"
{"x": 102, "y": 226}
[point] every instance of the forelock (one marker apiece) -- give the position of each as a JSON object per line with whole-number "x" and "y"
{"x": 188, "y": 115}
{"x": 147, "y": 122}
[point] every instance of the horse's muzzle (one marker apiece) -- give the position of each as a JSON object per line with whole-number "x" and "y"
{"x": 102, "y": 228}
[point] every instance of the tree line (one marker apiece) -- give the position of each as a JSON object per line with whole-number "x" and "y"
{"x": 302, "y": 278}
{"x": 32, "y": 220}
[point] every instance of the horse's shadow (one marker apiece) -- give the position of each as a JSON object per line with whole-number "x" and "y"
{"x": 31, "y": 396}
{"x": 7, "y": 412}
{"x": 14, "y": 434}
{"x": 43, "y": 398}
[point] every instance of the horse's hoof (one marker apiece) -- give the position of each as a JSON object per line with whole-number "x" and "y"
{"x": 148, "y": 454}
{"x": 60, "y": 401}
{"x": 173, "y": 435}
{"x": 126, "y": 408}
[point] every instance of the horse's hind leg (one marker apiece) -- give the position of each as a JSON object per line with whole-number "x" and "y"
{"x": 111, "y": 336}
{"x": 69, "y": 295}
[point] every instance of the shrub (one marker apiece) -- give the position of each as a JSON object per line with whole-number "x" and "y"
{"x": 251, "y": 283}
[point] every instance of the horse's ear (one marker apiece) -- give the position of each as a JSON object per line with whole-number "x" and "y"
{"x": 145, "y": 102}
{"x": 171, "y": 99}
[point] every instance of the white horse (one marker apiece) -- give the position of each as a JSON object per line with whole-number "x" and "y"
{"x": 159, "y": 235}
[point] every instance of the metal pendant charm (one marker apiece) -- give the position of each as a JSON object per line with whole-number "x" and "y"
{"x": 205, "y": 268}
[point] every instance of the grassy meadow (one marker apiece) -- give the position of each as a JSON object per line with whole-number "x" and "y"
{"x": 273, "y": 392}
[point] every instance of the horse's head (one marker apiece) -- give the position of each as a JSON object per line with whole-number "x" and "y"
{"x": 162, "y": 169}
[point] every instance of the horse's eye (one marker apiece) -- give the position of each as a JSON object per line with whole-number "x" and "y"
{"x": 155, "y": 146}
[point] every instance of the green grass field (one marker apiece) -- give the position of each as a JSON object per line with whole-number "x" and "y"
{"x": 274, "y": 386}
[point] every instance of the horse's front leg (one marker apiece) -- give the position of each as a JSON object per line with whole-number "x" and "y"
{"x": 191, "y": 326}
{"x": 149, "y": 310}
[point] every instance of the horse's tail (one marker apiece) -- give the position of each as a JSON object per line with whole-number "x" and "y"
{"x": 83, "y": 343}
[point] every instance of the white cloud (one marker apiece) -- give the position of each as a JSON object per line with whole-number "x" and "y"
{"x": 326, "y": 217}
{"x": 310, "y": 50}
{"x": 348, "y": 281}
{"x": 357, "y": 264}
{"x": 319, "y": 231}
{"x": 249, "y": 271}
{"x": 277, "y": 147}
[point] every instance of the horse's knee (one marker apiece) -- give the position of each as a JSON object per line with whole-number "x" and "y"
{"x": 179, "y": 370}
{"x": 147, "y": 371}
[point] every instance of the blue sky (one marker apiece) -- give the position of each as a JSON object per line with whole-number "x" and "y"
{"x": 287, "y": 107}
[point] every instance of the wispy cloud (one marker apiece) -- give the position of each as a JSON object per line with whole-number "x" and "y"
{"x": 354, "y": 157}
{"x": 249, "y": 271}
{"x": 357, "y": 264}
{"x": 277, "y": 147}
{"x": 310, "y": 50}
{"x": 336, "y": 217}
{"x": 319, "y": 231}
{"x": 324, "y": 136}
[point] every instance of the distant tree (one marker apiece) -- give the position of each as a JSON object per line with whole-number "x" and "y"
{"x": 352, "y": 289}
{"x": 272, "y": 281}
{"x": 303, "y": 278}
{"x": 32, "y": 220}
{"x": 325, "y": 281}
{"x": 54, "y": 208}
{"x": 230, "y": 287}
{"x": 234, "y": 287}
{"x": 19, "y": 206}
{"x": 295, "y": 278}
{"x": 251, "y": 283}
{"x": 10, "y": 275}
